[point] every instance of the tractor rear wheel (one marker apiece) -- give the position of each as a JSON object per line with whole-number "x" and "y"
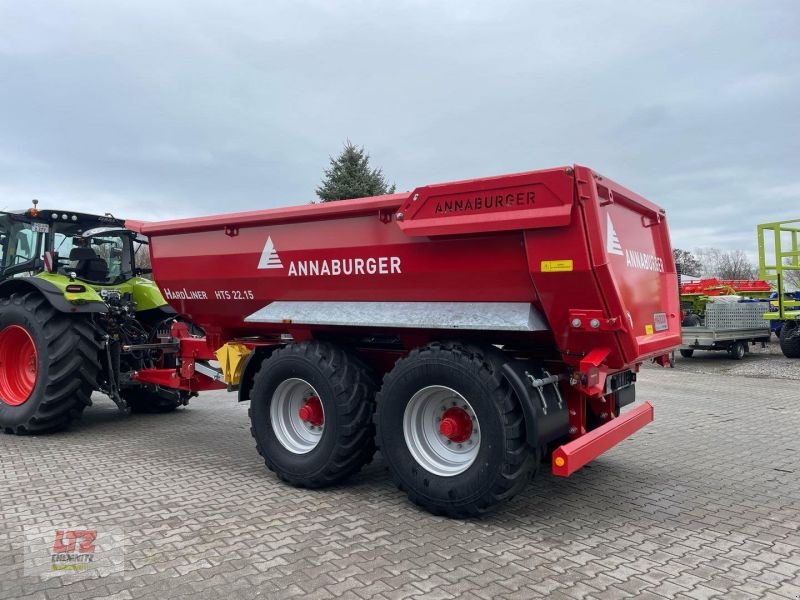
{"x": 687, "y": 352}
{"x": 311, "y": 409}
{"x": 48, "y": 365}
{"x": 790, "y": 339}
{"x": 452, "y": 431}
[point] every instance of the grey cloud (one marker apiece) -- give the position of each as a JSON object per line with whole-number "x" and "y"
{"x": 184, "y": 108}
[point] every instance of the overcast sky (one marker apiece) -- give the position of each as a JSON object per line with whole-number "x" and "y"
{"x": 168, "y": 109}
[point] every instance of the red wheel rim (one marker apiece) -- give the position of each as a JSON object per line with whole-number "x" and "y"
{"x": 19, "y": 365}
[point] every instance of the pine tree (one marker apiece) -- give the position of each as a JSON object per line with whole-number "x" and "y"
{"x": 350, "y": 176}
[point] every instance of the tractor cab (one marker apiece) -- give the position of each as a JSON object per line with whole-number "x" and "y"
{"x": 91, "y": 248}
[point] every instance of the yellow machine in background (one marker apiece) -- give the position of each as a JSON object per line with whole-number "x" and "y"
{"x": 780, "y": 241}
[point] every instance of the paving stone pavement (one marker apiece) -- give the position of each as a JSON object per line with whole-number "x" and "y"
{"x": 703, "y": 503}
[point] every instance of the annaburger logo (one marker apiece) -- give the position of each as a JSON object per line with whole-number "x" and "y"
{"x": 269, "y": 257}
{"x": 486, "y": 202}
{"x": 633, "y": 258}
{"x": 371, "y": 265}
{"x": 612, "y": 240}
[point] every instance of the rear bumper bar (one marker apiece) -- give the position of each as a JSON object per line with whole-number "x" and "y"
{"x": 570, "y": 457}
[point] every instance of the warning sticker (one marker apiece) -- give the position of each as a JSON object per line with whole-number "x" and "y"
{"x": 555, "y": 266}
{"x": 648, "y": 329}
{"x": 660, "y": 320}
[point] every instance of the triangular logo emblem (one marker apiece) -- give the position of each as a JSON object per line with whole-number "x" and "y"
{"x": 612, "y": 241}
{"x": 269, "y": 257}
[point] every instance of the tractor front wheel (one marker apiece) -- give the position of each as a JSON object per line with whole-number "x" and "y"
{"x": 48, "y": 365}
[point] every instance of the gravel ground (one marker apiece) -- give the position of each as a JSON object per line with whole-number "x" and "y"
{"x": 767, "y": 363}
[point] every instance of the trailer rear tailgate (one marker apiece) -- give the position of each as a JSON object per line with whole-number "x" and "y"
{"x": 632, "y": 258}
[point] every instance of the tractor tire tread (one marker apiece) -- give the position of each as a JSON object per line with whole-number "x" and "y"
{"x": 74, "y": 364}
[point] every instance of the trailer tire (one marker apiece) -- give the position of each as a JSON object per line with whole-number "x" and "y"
{"x": 687, "y": 353}
{"x": 692, "y": 320}
{"x": 790, "y": 339}
{"x": 48, "y": 365}
{"x": 345, "y": 389}
{"x": 453, "y": 486}
{"x": 737, "y": 350}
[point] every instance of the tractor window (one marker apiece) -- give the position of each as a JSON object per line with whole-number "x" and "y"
{"x": 19, "y": 246}
{"x": 103, "y": 257}
{"x": 141, "y": 257}
{"x": 23, "y": 246}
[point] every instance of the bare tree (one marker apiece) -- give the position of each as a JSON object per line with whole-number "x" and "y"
{"x": 791, "y": 278}
{"x": 688, "y": 262}
{"x": 730, "y": 264}
{"x": 709, "y": 259}
{"x": 735, "y": 264}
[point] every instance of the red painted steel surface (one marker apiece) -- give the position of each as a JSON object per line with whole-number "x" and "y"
{"x": 570, "y": 457}
{"x": 172, "y": 379}
{"x": 501, "y": 239}
{"x": 185, "y": 377}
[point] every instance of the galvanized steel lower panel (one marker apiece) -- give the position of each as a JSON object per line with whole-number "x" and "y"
{"x": 481, "y": 316}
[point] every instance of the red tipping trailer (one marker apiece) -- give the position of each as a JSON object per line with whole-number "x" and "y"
{"x": 492, "y": 322}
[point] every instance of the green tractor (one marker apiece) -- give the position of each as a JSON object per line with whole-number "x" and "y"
{"x": 77, "y": 317}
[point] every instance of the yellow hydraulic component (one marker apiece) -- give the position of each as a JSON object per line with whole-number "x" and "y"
{"x": 231, "y": 358}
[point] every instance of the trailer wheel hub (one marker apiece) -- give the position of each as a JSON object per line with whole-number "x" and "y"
{"x": 441, "y": 431}
{"x": 297, "y": 416}
{"x": 456, "y": 424}
{"x": 19, "y": 365}
{"x": 311, "y": 412}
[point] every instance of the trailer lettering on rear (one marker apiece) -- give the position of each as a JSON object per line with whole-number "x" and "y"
{"x": 644, "y": 261}
{"x": 485, "y": 202}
